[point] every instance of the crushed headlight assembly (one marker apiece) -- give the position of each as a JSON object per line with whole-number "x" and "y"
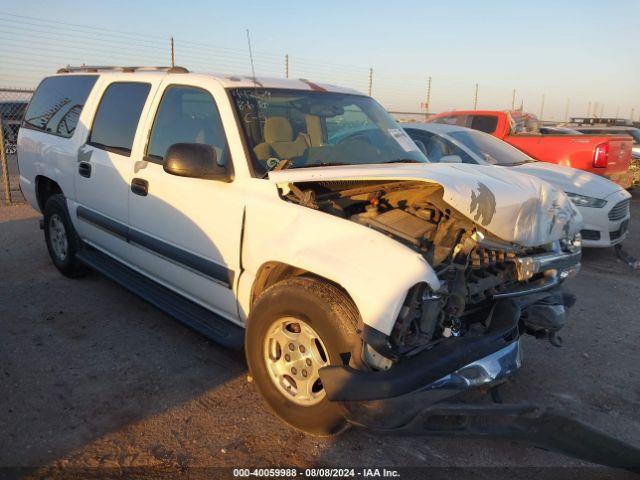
{"x": 585, "y": 201}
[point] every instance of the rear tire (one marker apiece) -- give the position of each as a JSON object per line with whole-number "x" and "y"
{"x": 61, "y": 238}
{"x": 296, "y": 327}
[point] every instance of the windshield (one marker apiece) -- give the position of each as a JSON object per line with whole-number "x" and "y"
{"x": 492, "y": 150}
{"x": 313, "y": 129}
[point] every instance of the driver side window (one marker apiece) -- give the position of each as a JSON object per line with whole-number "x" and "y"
{"x": 186, "y": 115}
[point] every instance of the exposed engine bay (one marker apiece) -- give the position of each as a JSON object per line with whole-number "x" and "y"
{"x": 476, "y": 269}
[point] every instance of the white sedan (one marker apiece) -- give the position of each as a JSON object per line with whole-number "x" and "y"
{"x": 603, "y": 204}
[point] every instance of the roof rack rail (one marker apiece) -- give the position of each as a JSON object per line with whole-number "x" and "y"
{"x": 112, "y": 68}
{"x": 601, "y": 121}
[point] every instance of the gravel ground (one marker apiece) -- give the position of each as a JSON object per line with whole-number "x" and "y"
{"x": 92, "y": 376}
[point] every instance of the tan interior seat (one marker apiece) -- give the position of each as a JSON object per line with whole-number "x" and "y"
{"x": 279, "y": 142}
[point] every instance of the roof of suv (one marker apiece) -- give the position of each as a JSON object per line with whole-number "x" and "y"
{"x": 228, "y": 80}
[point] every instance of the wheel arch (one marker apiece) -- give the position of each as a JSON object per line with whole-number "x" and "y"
{"x": 45, "y": 188}
{"x": 273, "y": 272}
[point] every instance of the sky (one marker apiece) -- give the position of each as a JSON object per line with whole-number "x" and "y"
{"x": 572, "y": 52}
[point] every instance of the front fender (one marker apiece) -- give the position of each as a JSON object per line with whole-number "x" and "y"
{"x": 374, "y": 269}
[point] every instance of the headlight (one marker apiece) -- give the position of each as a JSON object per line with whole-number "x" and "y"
{"x": 584, "y": 201}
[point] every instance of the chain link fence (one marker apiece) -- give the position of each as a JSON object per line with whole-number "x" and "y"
{"x": 13, "y": 104}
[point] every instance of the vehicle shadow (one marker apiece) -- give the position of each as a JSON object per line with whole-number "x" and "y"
{"x": 83, "y": 358}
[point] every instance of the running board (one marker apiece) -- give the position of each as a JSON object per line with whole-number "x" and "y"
{"x": 203, "y": 321}
{"x": 530, "y": 424}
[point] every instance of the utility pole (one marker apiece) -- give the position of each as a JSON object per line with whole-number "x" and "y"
{"x": 617, "y": 111}
{"x": 370, "y": 80}
{"x": 566, "y": 111}
{"x": 286, "y": 66}
{"x": 513, "y": 99}
{"x": 426, "y": 105}
{"x": 633, "y": 111}
{"x": 542, "y": 107}
{"x": 475, "y": 99}
{"x": 173, "y": 63}
{"x": 589, "y": 110}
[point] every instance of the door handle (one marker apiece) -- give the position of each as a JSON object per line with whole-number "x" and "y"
{"x": 84, "y": 169}
{"x": 140, "y": 187}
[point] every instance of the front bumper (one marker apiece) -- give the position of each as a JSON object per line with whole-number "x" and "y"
{"x": 390, "y": 398}
{"x": 393, "y": 413}
{"x": 599, "y": 231}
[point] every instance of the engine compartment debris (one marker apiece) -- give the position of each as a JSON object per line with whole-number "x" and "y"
{"x": 476, "y": 268}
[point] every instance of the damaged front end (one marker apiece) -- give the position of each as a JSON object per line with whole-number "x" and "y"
{"x": 500, "y": 261}
{"x": 479, "y": 274}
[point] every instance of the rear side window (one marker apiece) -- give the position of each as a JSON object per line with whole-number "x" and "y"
{"x": 116, "y": 121}
{"x": 56, "y": 106}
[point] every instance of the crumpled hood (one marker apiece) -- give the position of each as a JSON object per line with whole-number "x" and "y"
{"x": 516, "y": 208}
{"x": 570, "y": 179}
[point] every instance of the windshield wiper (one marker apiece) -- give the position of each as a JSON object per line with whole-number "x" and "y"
{"x": 325, "y": 164}
{"x": 404, "y": 160}
{"x": 282, "y": 165}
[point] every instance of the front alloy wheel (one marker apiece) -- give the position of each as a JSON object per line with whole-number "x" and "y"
{"x": 295, "y": 328}
{"x": 293, "y": 353}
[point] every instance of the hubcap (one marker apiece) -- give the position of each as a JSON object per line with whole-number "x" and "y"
{"x": 58, "y": 237}
{"x": 293, "y": 353}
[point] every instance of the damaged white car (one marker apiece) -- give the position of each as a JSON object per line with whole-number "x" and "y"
{"x": 355, "y": 273}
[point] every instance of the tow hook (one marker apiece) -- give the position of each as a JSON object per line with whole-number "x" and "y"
{"x": 545, "y": 317}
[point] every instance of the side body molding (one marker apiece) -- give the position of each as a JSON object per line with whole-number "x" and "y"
{"x": 203, "y": 266}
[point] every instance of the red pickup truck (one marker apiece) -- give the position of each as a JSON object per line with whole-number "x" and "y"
{"x": 606, "y": 155}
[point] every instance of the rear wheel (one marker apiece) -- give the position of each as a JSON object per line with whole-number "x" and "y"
{"x": 62, "y": 241}
{"x": 295, "y": 328}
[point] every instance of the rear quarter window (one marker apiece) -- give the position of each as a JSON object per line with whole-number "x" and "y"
{"x": 57, "y": 103}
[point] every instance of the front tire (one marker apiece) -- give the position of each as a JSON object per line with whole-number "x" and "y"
{"x": 61, "y": 238}
{"x": 296, "y": 327}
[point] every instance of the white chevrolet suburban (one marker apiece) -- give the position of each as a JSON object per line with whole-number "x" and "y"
{"x": 299, "y": 220}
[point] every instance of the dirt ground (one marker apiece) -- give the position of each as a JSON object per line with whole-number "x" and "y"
{"x": 92, "y": 376}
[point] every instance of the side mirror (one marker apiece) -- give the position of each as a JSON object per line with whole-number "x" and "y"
{"x": 194, "y": 160}
{"x": 450, "y": 159}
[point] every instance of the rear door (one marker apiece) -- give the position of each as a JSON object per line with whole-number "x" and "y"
{"x": 104, "y": 165}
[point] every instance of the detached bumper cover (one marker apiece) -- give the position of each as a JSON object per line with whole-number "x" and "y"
{"x": 524, "y": 423}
